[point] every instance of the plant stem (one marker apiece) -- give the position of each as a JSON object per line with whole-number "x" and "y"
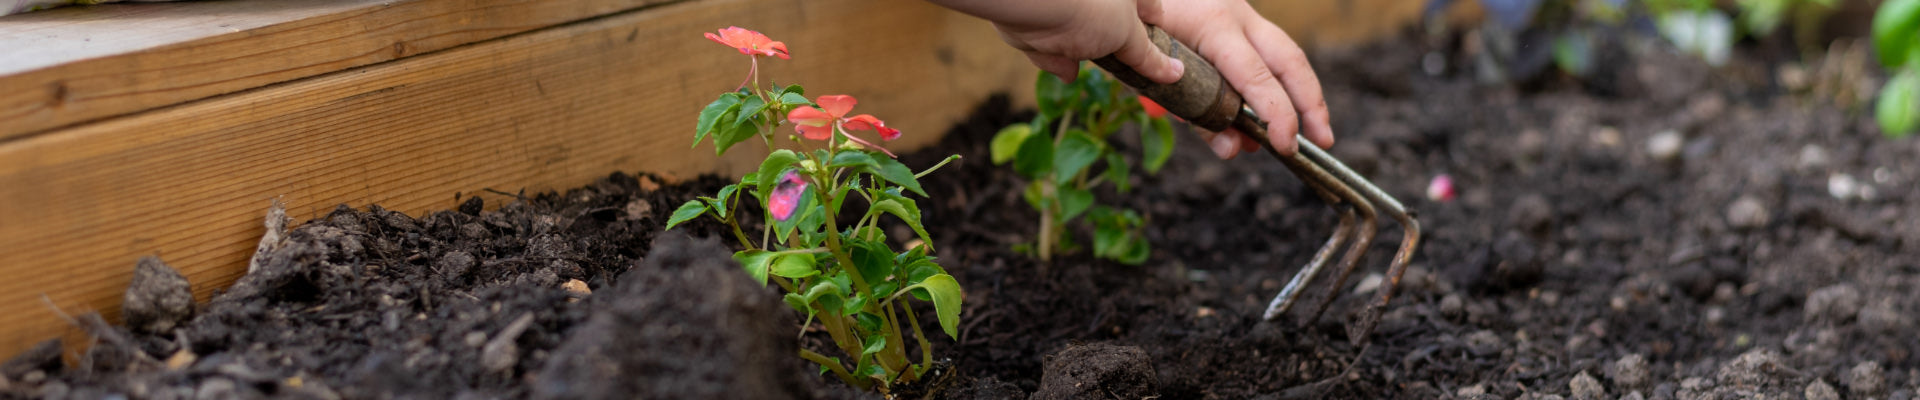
{"x": 836, "y": 325}
{"x": 838, "y": 370}
{"x": 896, "y": 350}
{"x": 926, "y": 348}
{"x": 738, "y": 235}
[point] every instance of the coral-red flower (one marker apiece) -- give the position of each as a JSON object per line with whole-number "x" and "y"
{"x": 750, "y": 42}
{"x": 1153, "y": 109}
{"x": 820, "y": 123}
{"x": 786, "y": 195}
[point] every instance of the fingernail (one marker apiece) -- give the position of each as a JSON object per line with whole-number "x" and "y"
{"x": 1179, "y": 68}
{"x": 1223, "y": 145}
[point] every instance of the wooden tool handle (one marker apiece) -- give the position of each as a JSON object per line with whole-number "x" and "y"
{"x": 1201, "y": 96}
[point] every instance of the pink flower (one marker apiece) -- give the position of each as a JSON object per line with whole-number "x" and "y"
{"x": 786, "y": 195}
{"x": 821, "y": 123}
{"x": 750, "y": 42}
{"x": 1153, "y": 109}
{"x": 1440, "y": 189}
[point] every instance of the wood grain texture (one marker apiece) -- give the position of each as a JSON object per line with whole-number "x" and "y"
{"x": 76, "y": 64}
{"x": 550, "y": 109}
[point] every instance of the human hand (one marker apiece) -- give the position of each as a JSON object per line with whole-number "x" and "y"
{"x": 1057, "y": 35}
{"x": 1262, "y": 63}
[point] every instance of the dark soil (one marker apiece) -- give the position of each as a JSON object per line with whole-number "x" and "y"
{"x": 1578, "y": 261}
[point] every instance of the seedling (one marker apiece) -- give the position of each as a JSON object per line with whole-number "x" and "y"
{"x": 1896, "y": 38}
{"x": 1056, "y": 153}
{"x": 846, "y": 277}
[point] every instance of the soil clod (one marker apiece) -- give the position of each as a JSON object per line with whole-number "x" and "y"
{"x": 1098, "y": 371}
{"x": 158, "y": 299}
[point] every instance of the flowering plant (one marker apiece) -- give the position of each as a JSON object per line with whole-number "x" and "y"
{"x": 1055, "y": 152}
{"x": 847, "y": 278}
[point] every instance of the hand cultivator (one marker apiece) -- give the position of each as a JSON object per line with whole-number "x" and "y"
{"x": 1206, "y": 100}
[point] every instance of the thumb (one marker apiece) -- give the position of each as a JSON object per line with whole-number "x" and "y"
{"x": 1139, "y": 53}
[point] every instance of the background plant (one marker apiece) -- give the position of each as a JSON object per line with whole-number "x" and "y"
{"x": 846, "y": 277}
{"x": 1057, "y": 151}
{"x": 1896, "y": 38}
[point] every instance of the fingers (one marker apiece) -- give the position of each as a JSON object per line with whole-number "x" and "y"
{"x": 1139, "y": 52}
{"x": 1066, "y": 68}
{"x": 1285, "y": 59}
{"x": 1249, "y": 74}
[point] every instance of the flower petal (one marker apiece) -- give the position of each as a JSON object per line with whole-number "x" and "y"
{"x": 811, "y": 122}
{"x": 1153, "y": 109}
{"x": 786, "y": 196}
{"x": 776, "y": 49}
{"x": 869, "y": 122}
{"x": 836, "y": 105}
{"x": 814, "y": 132}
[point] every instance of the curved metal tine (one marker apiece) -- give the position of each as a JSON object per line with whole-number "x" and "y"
{"x": 1369, "y": 227}
{"x": 1409, "y": 244}
{"x": 1314, "y": 175}
{"x": 1291, "y": 293}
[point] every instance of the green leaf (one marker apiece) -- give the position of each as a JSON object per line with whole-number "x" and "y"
{"x": 772, "y": 169}
{"x": 721, "y": 203}
{"x": 1156, "y": 142}
{"x": 1052, "y": 95}
{"x": 799, "y": 303}
{"x": 749, "y": 111}
{"x": 885, "y": 288}
{"x": 1118, "y": 171}
{"x": 1136, "y": 252}
{"x": 871, "y": 259}
{"x": 1075, "y": 152}
{"x": 710, "y": 115}
{"x": 1035, "y": 194}
{"x": 687, "y": 212}
{"x": 1896, "y": 32}
{"x": 1898, "y": 110}
{"x": 893, "y": 171}
{"x": 755, "y": 261}
{"x": 946, "y": 296}
{"x": 1007, "y": 143}
{"x": 907, "y": 210}
{"x": 724, "y": 137}
{"x": 1073, "y": 202}
{"x": 851, "y": 158}
{"x": 794, "y": 266}
{"x": 1035, "y": 157}
{"x": 875, "y": 343}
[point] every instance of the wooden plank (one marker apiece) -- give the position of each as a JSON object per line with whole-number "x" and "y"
{"x": 76, "y": 64}
{"x": 547, "y": 110}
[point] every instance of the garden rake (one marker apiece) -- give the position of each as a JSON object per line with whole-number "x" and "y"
{"x": 1205, "y": 99}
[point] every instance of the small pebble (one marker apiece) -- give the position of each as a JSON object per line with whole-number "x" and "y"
{"x": 638, "y": 209}
{"x": 1634, "y": 395}
{"x": 1630, "y": 371}
{"x": 1747, "y": 213}
{"x": 1752, "y": 369}
{"x": 1843, "y": 186}
{"x": 1716, "y": 315}
{"x": 1820, "y": 390}
{"x": 1664, "y": 146}
{"x": 577, "y": 287}
{"x": 1203, "y": 312}
{"x": 1586, "y": 388}
{"x": 1370, "y": 283}
{"x": 1484, "y": 343}
{"x": 1452, "y": 306}
{"x": 1812, "y": 157}
{"x": 181, "y": 359}
{"x": 1832, "y": 303}
{"x": 1607, "y": 136}
{"x": 1866, "y": 379}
